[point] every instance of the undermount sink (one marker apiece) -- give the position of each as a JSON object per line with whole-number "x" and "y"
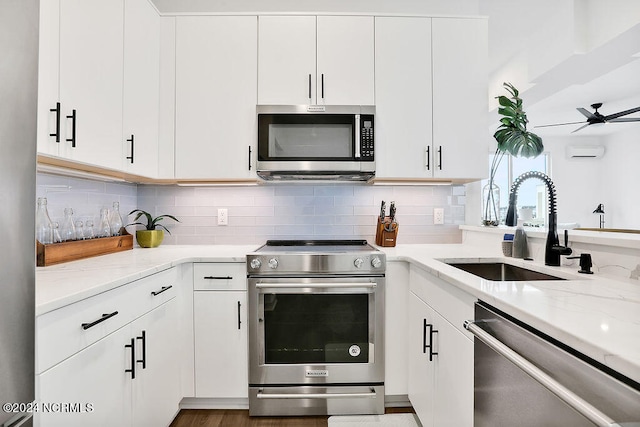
{"x": 500, "y": 271}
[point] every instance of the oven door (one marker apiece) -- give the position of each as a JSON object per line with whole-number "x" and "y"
{"x": 320, "y": 330}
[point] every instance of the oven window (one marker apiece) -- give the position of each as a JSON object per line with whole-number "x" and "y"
{"x": 313, "y": 328}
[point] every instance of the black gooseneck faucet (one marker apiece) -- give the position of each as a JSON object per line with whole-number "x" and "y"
{"x": 553, "y": 250}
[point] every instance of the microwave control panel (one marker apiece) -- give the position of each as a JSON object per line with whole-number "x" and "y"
{"x": 366, "y": 137}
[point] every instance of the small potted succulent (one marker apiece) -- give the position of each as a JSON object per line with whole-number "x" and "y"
{"x": 153, "y": 234}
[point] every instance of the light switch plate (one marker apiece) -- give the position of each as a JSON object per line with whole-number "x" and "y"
{"x": 223, "y": 217}
{"x": 438, "y": 216}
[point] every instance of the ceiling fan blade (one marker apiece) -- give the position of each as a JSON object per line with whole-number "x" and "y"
{"x": 581, "y": 127}
{"x": 621, "y": 113}
{"x": 625, "y": 119}
{"x": 558, "y": 124}
{"x": 586, "y": 113}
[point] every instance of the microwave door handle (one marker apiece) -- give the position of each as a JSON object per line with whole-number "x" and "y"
{"x": 357, "y": 137}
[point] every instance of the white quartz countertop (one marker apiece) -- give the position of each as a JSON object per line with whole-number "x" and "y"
{"x": 596, "y": 315}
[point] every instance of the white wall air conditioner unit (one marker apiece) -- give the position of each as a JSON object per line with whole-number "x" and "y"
{"x": 585, "y": 151}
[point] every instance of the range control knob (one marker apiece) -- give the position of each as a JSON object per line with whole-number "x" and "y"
{"x": 375, "y": 262}
{"x": 358, "y": 262}
{"x": 256, "y": 263}
{"x": 273, "y": 263}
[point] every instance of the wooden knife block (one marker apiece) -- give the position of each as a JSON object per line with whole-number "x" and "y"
{"x": 384, "y": 237}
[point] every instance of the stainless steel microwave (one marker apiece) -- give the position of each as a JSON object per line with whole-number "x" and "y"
{"x": 316, "y": 142}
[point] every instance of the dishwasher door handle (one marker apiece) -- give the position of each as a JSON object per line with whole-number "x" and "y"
{"x": 570, "y": 398}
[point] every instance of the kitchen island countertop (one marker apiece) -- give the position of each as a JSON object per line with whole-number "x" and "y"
{"x": 596, "y": 315}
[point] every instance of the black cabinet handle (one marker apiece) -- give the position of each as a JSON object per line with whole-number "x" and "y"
{"x": 249, "y": 157}
{"x": 432, "y": 331}
{"x": 162, "y": 289}
{"x": 239, "y": 321}
{"x": 322, "y": 84}
{"x": 57, "y": 111}
{"x": 72, "y": 140}
{"x": 132, "y": 346}
{"x": 104, "y": 317}
{"x": 143, "y": 338}
{"x": 309, "y": 88}
{"x": 428, "y": 156}
{"x": 440, "y": 157}
{"x": 131, "y": 140}
{"x": 218, "y": 277}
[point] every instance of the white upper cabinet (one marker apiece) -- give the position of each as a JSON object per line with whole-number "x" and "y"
{"x": 90, "y": 81}
{"x": 216, "y": 66}
{"x": 141, "y": 88}
{"x": 460, "y": 101}
{"x": 316, "y": 60}
{"x": 403, "y": 97}
{"x": 431, "y": 98}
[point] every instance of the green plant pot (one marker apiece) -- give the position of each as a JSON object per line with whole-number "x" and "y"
{"x": 149, "y": 238}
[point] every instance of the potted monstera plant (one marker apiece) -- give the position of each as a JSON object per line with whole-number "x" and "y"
{"x": 153, "y": 234}
{"x": 512, "y": 137}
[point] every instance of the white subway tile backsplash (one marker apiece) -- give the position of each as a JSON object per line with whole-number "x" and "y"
{"x": 261, "y": 212}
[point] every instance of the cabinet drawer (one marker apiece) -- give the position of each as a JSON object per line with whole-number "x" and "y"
{"x": 450, "y": 302}
{"x": 219, "y": 276}
{"x": 63, "y": 332}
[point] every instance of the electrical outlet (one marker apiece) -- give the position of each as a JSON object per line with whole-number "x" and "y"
{"x": 438, "y": 215}
{"x": 223, "y": 217}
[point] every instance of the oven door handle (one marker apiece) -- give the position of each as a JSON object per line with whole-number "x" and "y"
{"x": 261, "y": 395}
{"x": 369, "y": 285}
{"x": 574, "y": 401}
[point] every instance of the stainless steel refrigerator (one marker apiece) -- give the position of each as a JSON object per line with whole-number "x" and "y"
{"x": 18, "y": 96}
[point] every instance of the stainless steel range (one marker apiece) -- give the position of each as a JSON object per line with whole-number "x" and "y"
{"x": 316, "y": 319}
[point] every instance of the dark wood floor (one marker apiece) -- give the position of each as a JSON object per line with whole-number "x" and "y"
{"x": 240, "y": 418}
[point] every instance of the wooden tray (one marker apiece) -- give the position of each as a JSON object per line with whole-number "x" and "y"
{"x": 57, "y": 253}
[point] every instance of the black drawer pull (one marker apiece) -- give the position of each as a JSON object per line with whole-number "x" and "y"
{"x": 432, "y": 331}
{"x": 218, "y": 277}
{"x": 104, "y": 317}
{"x": 239, "y": 321}
{"x": 131, "y": 140}
{"x": 164, "y": 288}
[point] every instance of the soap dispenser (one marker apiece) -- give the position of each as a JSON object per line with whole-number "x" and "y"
{"x": 520, "y": 248}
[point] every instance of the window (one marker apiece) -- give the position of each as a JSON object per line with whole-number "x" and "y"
{"x": 532, "y": 195}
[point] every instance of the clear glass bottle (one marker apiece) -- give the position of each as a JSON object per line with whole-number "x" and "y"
{"x": 104, "y": 229}
{"x": 88, "y": 230}
{"x": 79, "y": 230}
{"x": 116, "y": 219}
{"x": 44, "y": 227}
{"x": 56, "y": 233}
{"x": 68, "y": 230}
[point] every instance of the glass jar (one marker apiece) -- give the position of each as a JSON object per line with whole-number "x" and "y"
{"x": 491, "y": 204}
{"x": 104, "y": 229}
{"x": 44, "y": 228}
{"x": 68, "y": 230}
{"x": 116, "y": 219}
{"x": 79, "y": 230}
{"x": 88, "y": 230}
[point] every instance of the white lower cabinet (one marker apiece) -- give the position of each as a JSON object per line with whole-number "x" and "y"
{"x": 220, "y": 331}
{"x": 127, "y": 373}
{"x": 440, "y": 354}
{"x": 396, "y": 297}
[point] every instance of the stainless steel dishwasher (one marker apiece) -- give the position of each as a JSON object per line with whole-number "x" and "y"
{"x": 524, "y": 378}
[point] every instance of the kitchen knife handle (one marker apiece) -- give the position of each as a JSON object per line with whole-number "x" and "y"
{"x": 104, "y": 317}
{"x": 131, "y": 140}
{"x": 132, "y": 346}
{"x": 72, "y": 140}
{"x": 57, "y": 111}
{"x": 143, "y": 338}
